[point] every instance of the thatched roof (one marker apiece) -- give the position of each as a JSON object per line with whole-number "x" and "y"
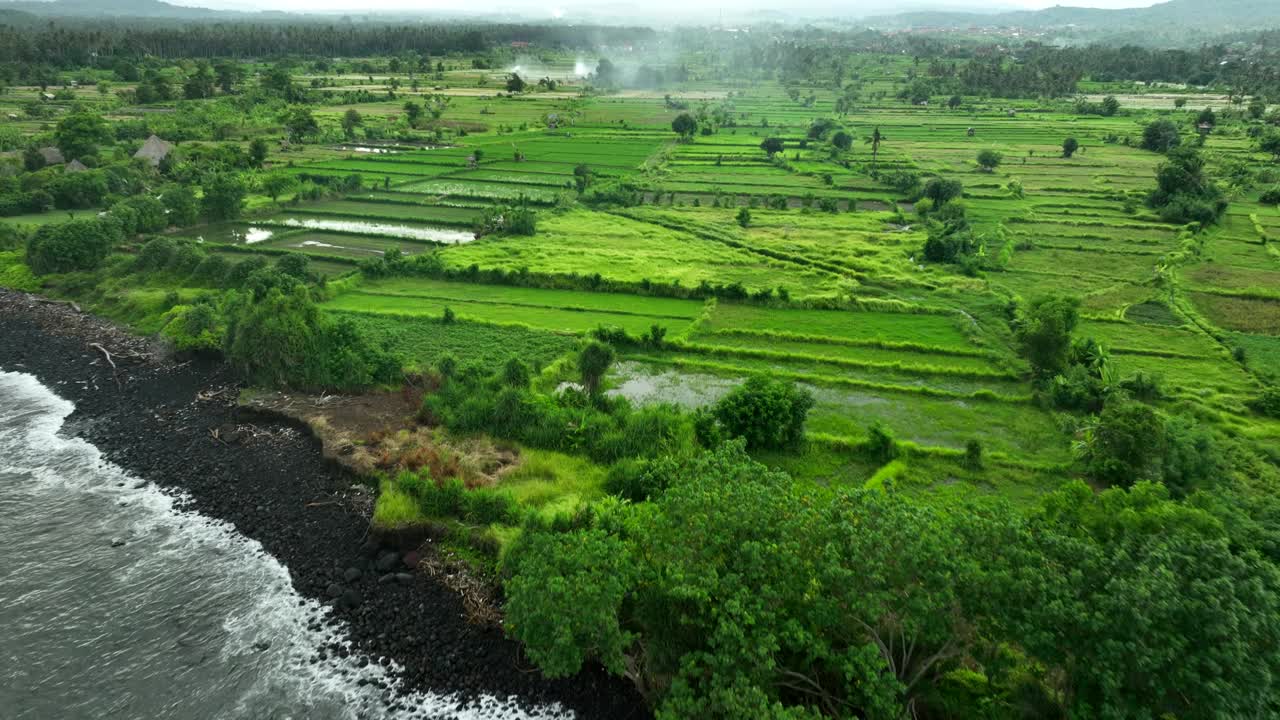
{"x": 52, "y": 155}
{"x": 76, "y": 166}
{"x": 154, "y": 150}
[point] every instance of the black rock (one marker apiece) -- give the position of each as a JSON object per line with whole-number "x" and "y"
{"x": 351, "y": 575}
{"x": 334, "y": 590}
{"x": 404, "y": 578}
{"x": 351, "y": 599}
{"x": 387, "y": 561}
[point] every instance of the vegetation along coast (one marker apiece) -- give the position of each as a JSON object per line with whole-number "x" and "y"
{"x": 793, "y": 366}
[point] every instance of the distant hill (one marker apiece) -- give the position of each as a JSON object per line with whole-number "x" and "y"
{"x": 107, "y": 8}
{"x": 1177, "y": 18}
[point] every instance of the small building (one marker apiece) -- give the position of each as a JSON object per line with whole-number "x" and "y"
{"x": 154, "y": 150}
{"x": 52, "y": 155}
{"x": 76, "y": 166}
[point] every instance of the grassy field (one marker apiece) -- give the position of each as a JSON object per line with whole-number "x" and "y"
{"x": 876, "y": 332}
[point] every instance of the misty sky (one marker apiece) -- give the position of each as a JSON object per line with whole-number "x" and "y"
{"x": 672, "y": 8}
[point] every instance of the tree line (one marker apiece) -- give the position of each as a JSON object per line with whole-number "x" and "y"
{"x": 67, "y": 44}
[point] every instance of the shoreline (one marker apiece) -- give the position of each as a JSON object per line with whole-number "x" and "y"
{"x": 177, "y": 424}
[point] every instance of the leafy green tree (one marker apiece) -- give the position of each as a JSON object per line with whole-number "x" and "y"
{"x": 989, "y": 159}
{"x": 941, "y": 190}
{"x": 1110, "y": 106}
{"x": 1044, "y": 332}
{"x": 1125, "y": 445}
{"x": 772, "y": 146}
{"x": 300, "y": 123}
{"x": 684, "y": 125}
{"x": 181, "y": 205}
{"x": 72, "y": 245}
{"x": 295, "y": 265}
{"x": 768, "y": 412}
{"x": 1269, "y": 143}
{"x": 744, "y": 217}
{"x": 955, "y": 101}
{"x": 276, "y": 337}
{"x": 515, "y": 83}
{"x": 258, "y": 152}
{"x": 351, "y": 120}
{"x": 565, "y": 597}
{"x": 224, "y": 194}
{"x": 32, "y": 159}
{"x": 412, "y": 113}
{"x": 842, "y": 140}
{"x": 200, "y": 84}
{"x": 1069, "y": 147}
{"x": 1142, "y": 607}
{"x": 593, "y": 362}
{"x": 278, "y": 183}
{"x": 79, "y": 134}
{"x": 228, "y": 74}
{"x": 149, "y": 213}
{"x": 78, "y": 190}
{"x": 1161, "y": 136}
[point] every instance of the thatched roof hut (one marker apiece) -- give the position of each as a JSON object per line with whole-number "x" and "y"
{"x": 76, "y": 166}
{"x": 52, "y": 155}
{"x": 154, "y": 150}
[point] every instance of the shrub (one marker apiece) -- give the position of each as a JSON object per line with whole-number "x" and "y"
{"x": 194, "y": 327}
{"x": 641, "y": 480}
{"x": 941, "y": 191}
{"x": 1125, "y": 445}
{"x": 515, "y": 374}
{"x": 881, "y": 443}
{"x": 1044, "y": 332}
{"x": 155, "y": 254}
{"x": 281, "y": 339}
{"x": 212, "y": 270}
{"x": 70, "y": 246}
{"x": 973, "y": 453}
{"x": 767, "y": 412}
{"x": 484, "y": 506}
{"x": 1161, "y": 136}
{"x": 593, "y": 362}
{"x": 1267, "y": 403}
{"x": 1077, "y": 389}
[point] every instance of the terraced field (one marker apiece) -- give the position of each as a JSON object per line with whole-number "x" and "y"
{"x": 917, "y": 345}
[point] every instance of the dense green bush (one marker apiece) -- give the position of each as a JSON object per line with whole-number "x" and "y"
{"x": 1043, "y": 331}
{"x": 73, "y": 245}
{"x": 605, "y": 429}
{"x": 281, "y": 339}
{"x": 767, "y": 412}
{"x": 735, "y": 584}
{"x": 1268, "y": 402}
{"x": 1125, "y": 444}
{"x": 1161, "y": 136}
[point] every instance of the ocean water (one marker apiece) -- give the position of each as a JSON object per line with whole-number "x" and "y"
{"x": 117, "y": 601}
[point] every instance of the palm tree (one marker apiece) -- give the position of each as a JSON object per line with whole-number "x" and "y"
{"x": 875, "y": 140}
